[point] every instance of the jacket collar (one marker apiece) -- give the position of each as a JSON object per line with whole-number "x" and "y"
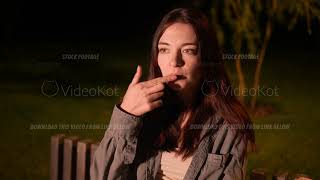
{"x": 212, "y": 124}
{"x": 200, "y": 155}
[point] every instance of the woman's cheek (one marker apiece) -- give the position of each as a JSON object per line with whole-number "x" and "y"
{"x": 161, "y": 65}
{"x": 195, "y": 73}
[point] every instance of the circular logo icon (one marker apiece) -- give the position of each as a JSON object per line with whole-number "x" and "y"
{"x": 206, "y": 86}
{"x": 50, "y": 88}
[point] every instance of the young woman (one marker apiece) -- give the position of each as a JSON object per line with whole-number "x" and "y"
{"x": 183, "y": 123}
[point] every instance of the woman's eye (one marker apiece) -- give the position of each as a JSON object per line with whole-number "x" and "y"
{"x": 190, "y": 51}
{"x": 163, "y": 50}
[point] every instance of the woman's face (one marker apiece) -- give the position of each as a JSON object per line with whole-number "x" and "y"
{"x": 178, "y": 53}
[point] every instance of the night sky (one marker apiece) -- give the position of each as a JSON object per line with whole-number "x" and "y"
{"x": 95, "y": 20}
{"x": 109, "y": 23}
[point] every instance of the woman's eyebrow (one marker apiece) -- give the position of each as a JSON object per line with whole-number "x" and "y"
{"x": 184, "y": 44}
{"x": 191, "y": 43}
{"x": 163, "y": 43}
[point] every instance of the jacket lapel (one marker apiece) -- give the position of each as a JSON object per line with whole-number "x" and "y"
{"x": 198, "y": 159}
{"x": 201, "y": 153}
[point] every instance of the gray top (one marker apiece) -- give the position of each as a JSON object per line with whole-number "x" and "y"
{"x": 221, "y": 153}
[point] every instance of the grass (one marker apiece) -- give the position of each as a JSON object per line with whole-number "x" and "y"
{"x": 25, "y": 152}
{"x": 294, "y": 149}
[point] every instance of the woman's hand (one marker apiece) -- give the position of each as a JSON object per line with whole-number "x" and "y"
{"x": 142, "y": 97}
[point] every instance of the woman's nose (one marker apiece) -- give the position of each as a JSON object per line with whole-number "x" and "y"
{"x": 176, "y": 60}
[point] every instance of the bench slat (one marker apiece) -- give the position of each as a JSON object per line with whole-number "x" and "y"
{"x": 83, "y": 159}
{"x": 56, "y": 156}
{"x": 70, "y": 158}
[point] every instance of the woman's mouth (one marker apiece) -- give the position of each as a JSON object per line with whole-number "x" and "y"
{"x": 174, "y": 84}
{"x": 180, "y": 77}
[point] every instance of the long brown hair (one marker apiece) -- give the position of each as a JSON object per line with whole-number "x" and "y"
{"x": 211, "y": 97}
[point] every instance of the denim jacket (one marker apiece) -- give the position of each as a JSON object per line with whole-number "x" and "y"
{"x": 221, "y": 153}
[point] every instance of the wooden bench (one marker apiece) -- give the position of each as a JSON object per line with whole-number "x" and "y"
{"x": 71, "y": 158}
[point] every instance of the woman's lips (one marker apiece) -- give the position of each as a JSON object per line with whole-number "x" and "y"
{"x": 174, "y": 84}
{"x": 179, "y": 77}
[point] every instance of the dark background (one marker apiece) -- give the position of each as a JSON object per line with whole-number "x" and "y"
{"x": 112, "y": 22}
{"x": 34, "y": 35}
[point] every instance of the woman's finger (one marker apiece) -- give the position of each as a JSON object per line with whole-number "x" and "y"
{"x": 156, "y": 81}
{"x": 137, "y": 75}
{"x": 155, "y": 104}
{"x": 156, "y": 88}
{"x": 155, "y": 96}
